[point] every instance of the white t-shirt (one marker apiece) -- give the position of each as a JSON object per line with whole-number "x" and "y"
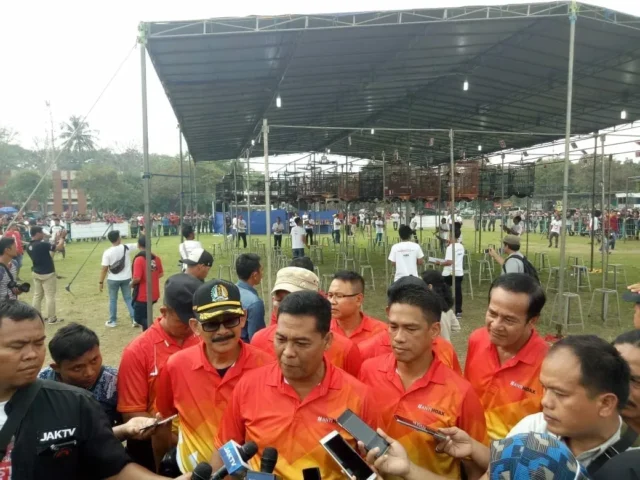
{"x": 242, "y": 226}
{"x": 278, "y": 228}
{"x": 3, "y": 415}
{"x": 336, "y": 224}
{"x": 55, "y": 231}
{"x": 379, "y": 226}
{"x": 305, "y": 217}
{"x": 112, "y": 254}
{"x": 517, "y": 229}
{"x": 446, "y": 271}
{"x": 555, "y": 226}
{"x": 292, "y": 222}
{"x": 297, "y": 234}
{"x": 185, "y": 248}
{"x": 234, "y": 222}
{"x": 444, "y": 232}
{"x": 395, "y": 217}
{"x": 414, "y": 223}
{"x": 406, "y": 256}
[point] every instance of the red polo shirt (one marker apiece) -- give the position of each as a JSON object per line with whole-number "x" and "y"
{"x": 266, "y": 409}
{"x": 380, "y": 344}
{"x": 368, "y": 327}
{"x": 441, "y": 398}
{"x": 141, "y": 364}
{"x": 508, "y": 392}
{"x": 343, "y": 353}
{"x": 191, "y": 387}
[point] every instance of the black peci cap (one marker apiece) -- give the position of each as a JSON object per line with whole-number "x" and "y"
{"x": 215, "y": 298}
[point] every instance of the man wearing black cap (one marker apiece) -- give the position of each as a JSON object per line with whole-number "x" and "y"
{"x": 197, "y": 382}
{"x": 145, "y": 357}
{"x": 198, "y": 263}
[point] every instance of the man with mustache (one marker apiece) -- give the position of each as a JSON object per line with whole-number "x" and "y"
{"x": 197, "y": 382}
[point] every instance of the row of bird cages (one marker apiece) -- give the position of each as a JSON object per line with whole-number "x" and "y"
{"x": 515, "y": 180}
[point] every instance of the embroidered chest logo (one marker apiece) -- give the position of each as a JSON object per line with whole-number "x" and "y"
{"x": 427, "y": 408}
{"x": 57, "y": 434}
{"x": 523, "y": 387}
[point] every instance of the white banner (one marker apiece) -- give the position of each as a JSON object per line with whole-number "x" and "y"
{"x": 80, "y": 231}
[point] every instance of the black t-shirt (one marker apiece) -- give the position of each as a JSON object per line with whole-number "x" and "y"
{"x": 65, "y": 435}
{"x": 40, "y": 253}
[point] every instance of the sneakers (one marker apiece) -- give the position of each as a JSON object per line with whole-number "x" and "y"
{"x": 110, "y": 324}
{"x": 134, "y": 324}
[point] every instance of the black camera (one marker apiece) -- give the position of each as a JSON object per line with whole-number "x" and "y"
{"x": 23, "y": 287}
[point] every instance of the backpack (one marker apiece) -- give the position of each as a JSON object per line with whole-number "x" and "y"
{"x": 529, "y": 269}
{"x": 118, "y": 265}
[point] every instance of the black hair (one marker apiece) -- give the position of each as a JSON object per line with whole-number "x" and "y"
{"x": 602, "y": 368}
{"x": 307, "y": 302}
{"x": 187, "y": 231}
{"x": 71, "y": 342}
{"x": 512, "y": 246}
{"x": 350, "y": 277}
{"x": 418, "y": 296}
{"x": 302, "y": 262}
{"x": 18, "y": 311}
{"x": 6, "y": 242}
{"x": 142, "y": 241}
{"x": 517, "y": 219}
{"x": 522, "y": 283}
{"x": 246, "y": 264}
{"x": 35, "y": 230}
{"x": 631, "y": 338}
{"x": 405, "y": 232}
{"x": 297, "y": 220}
{"x": 440, "y": 288}
{"x": 113, "y": 236}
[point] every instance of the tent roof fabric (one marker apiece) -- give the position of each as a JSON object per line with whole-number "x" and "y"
{"x": 396, "y": 70}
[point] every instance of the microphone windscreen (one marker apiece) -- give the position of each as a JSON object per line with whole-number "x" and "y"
{"x": 248, "y": 450}
{"x": 268, "y": 460}
{"x": 202, "y": 471}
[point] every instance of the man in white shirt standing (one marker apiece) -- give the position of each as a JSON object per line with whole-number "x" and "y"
{"x": 116, "y": 267}
{"x": 379, "y": 229}
{"x": 586, "y": 385}
{"x": 336, "y": 228}
{"x": 406, "y": 255}
{"x": 277, "y": 229}
{"x": 395, "y": 219}
{"x": 298, "y": 239}
{"x": 447, "y": 271}
{"x": 188, "y": 246}
{"x": 414, "y": 226}
{"x": 56, "y": 232}
{"x": 554, "y": 232}
{"x": 242, "y": 232}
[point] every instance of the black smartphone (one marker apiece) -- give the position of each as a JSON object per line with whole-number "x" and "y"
{"x": 362, "y": 432}
{"x": 420, "y": 427}
{"x": 311, "y": 474}
{"x": 486, "y": 250}
{"x": 346, "y": 457}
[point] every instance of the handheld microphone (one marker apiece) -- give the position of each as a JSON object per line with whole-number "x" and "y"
{"x": 311, "y": 474}
{"x": 235, "y": 457}
{"x": 268, "y": 460}
{"x": 202, "y": 472}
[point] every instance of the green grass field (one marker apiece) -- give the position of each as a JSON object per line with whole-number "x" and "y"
{"x": 88, "y": 306}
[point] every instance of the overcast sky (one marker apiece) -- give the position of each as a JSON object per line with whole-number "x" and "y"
{"x": 65, "y": 52}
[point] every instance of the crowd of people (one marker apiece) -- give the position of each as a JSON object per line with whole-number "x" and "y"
{"x": 213, "y": 369}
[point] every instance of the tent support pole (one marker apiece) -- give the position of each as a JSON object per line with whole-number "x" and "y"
{"x": 147, "y": 175}
{"x": 593, "y": 194}
{"x": 267, "y": 202}
{"x": 248, "y": 183}
{"x": 565, "y": 186}
{"x": 181, "y": 185}
{"x": 452, "y": 232}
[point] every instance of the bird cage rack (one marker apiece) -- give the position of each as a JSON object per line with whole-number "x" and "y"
{"x": 349, "y": 187}
{"x": 521, "y": 180}
{"x": 370, "y": 181}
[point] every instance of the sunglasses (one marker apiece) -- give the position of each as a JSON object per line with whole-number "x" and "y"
{"x": 228, "y": 322}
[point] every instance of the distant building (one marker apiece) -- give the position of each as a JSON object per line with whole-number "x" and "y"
{"x": 65, "y": 197}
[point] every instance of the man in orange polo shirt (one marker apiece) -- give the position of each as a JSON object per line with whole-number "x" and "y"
{"x": 505, "y": 357}
{"x": 342, "y": 353}
{"x": 197, "y": 382}
{"x": 413, "y": 383}
{"x": 145, "y": 357}
{"x": 346, "y": 294}
{"x": 292, "y": 404}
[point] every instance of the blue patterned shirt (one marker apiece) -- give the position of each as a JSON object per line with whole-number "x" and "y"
{"x": 104, "y": 391}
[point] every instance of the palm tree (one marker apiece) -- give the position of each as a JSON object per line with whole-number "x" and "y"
{"x": 78, "y": 135}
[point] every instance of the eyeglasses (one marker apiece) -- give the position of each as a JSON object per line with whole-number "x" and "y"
{"x": 228, "y": 322}
{"x": 340, "y": 296}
